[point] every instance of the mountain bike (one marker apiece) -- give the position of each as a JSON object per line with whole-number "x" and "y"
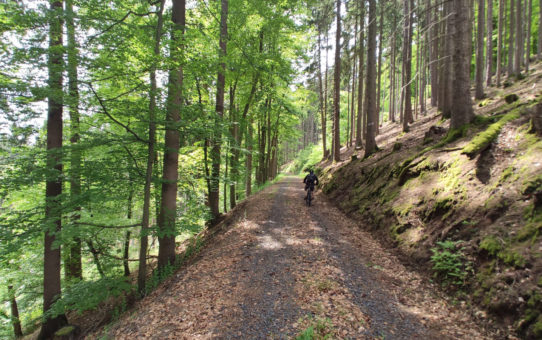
{"x": 309, "y": 197}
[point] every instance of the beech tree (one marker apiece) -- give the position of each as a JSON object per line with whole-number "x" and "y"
{"x": 53, "y": 185}
{"x": 370, "y": 87}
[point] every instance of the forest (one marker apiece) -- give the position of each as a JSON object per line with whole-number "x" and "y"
{"x": 134, "y": 132}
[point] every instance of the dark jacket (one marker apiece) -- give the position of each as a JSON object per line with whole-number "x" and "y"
{"x": 310, "y": 181}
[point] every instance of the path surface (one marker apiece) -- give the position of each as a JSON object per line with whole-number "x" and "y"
{"x": 282, "y": 267}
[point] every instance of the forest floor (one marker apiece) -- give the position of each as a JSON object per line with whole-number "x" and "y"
{"x": 281, "y": 269}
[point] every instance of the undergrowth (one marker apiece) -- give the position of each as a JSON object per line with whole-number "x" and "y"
{"x": 305, "y": 160}
{"x": 450, "y": 264}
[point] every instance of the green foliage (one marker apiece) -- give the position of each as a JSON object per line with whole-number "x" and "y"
{"x": 492, "y": 245}
{"x": 306, "y": 160}
{"x": 87, "y": 295}
{"x": 319, "y": 329}
{"x": 449, "y": 263}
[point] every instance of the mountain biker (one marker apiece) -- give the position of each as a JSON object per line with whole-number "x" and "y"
{"x": 310, "y": 181}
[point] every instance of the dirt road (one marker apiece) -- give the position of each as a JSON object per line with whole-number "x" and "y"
{"x": 282, "y": 269}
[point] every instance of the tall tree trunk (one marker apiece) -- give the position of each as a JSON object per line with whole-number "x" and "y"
{"x": 337, "y": 89}
{"x": 462, "y": 109}
{"x": 321, "y": 100}
{"x": 370, "y": 87}
{"x": 434, "y": 42}
{"x": 479, "y": 93}
{"x": 73, "y": 265}
{"x": 407, "y": 62}
{"x": 15, "y": 321}
{"x": 359, "y": 126}
{"x": 234, "y": 130}
{"x": 449, "y": 65}
{"x": 443, "y": 59}
{"x": 489, "y": 43}
{"x": 249, "y": 141}
{"x": 539, "y": 43}
{"x": 499, "y": 42}
{"x": 145, "y": 219}
{"x": 126, "y": 253}
{"x": 326, "y": 109}
{"x": 53, "y": 185}
{"x": 528, "y": 37}
{"x": 221, "y": 81}
{"x": 511, "y": 40}
{"x": 354, "y": 74}
{"x": 379, "y": 85}
{"x": 519, "y": 38}
{"x": 168, "y": 206}
{"x": 521, "y": 28}
{"x": 392, "y": 70}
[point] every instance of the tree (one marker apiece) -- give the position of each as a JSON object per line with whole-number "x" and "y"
{"x": 489, "y": 43}
{"x": 511, "y": 29}
{"x": 500, "y": 42}
{"x": 74, "y": 268}
{"x": 539, "y": 31}
{"x": 461, "y": 113}
{"x": 519, "y": 38}
{"x": 528, "y": 37}
{"x": 337, "y": 89}
{"x": 370, "y": 87}
{"x": 359, "y": 127}
{"x": 219, "y": 109}
{"x": 53, "y": 185}
{"x": 142, "y": 273}
{"x": 407, "y": 64}
{"x": 479, "y": 94}
{"x": 168, "y": 207}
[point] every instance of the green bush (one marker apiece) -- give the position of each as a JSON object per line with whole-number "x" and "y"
{"x": 449, "y": 263}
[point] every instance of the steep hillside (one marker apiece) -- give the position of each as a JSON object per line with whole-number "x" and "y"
{"x": 464, "y": 206}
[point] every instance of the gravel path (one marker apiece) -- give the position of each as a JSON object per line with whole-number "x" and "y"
{"x": 281, "y": 269}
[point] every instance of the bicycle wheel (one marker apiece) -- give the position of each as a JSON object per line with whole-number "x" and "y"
{"x": 309, "y": 197}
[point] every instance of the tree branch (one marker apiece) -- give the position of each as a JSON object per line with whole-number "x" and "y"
{"x": 106, "y": 112}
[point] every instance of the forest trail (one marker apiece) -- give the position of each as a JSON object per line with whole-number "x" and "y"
{"x": 281, "y": 267}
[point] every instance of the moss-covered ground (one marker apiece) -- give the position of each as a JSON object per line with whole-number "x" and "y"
{"x": 474, "y": 186}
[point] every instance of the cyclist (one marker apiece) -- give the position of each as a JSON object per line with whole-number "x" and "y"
{"x": 310, "y": 181}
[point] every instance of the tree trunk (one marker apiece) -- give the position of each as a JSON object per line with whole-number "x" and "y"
{"x": 380, "y": 38}
{"x": 126, "y": 253}
{"x": 511, "y": 40}
{"x": 359, "y": 126}
{"x": 370, "y": 87}
{"x": 448, "y": 74}
{"x": 462, "y": 109}
{"x": 392, "y": 70}
{"x": 53, "y": 185}
{"x": 73, "y": 264}
{"x": 499, "y": 42}
{"x": 94, "y": 253}
{"x": 489, "y": 43}
{"x": 434, "y": 57}
{"x": 539, "y": 43}
{"x": 145, "y": 219}
{"x": 249, "y": 141}
{"x": 321, "y": 100}
{"x": 168, "y": 206}
{"x": 407, "y": 62}
{"x": 326, "y": 93}
{"x": 221, "y": 80}
{"x": 479, "y": 93}
{"x": 15, "y": 321}
{"x": 528, "y": 37}
{"x": 337, "y": 89}
{"x": 519, "y": 38}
